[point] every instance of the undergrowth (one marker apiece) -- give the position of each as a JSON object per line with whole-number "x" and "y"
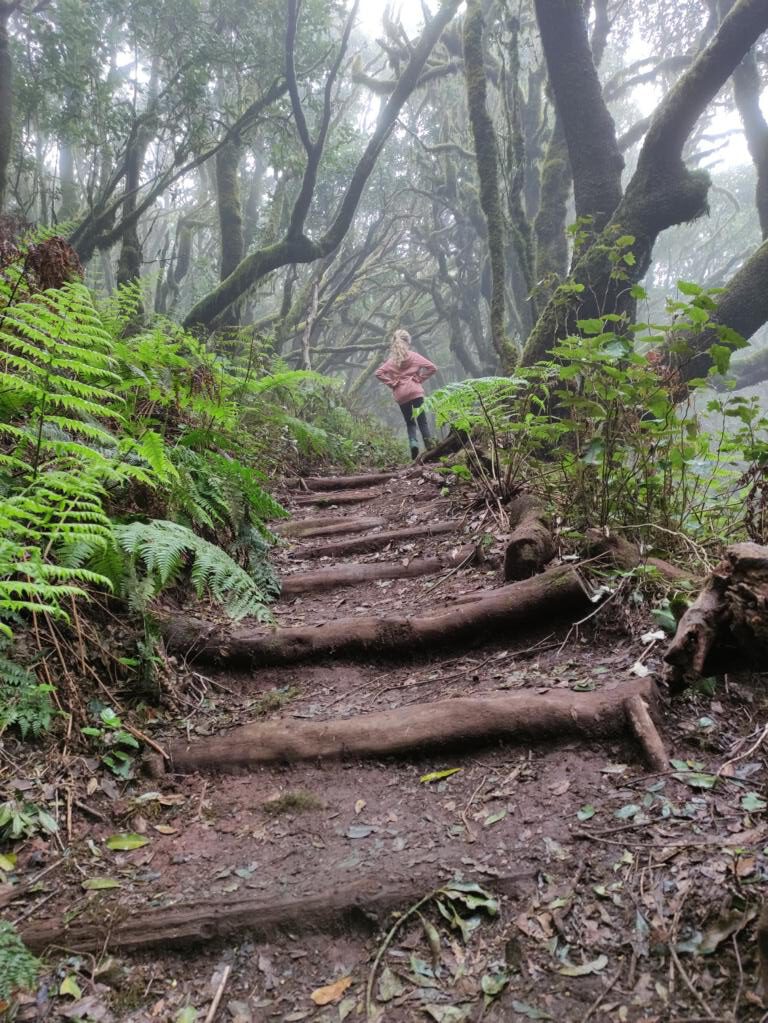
{"x": 133, "y": 460}
{"x": 606, "y": 435}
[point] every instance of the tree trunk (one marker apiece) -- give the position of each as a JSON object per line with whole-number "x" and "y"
{"x": 484, "y": 135}
{"x": 6, "y": 103}
{"x": 229, "y": 209}
{"x": 549, "y": 227}
{"x": 590, "y": 133}
{"x": 661, "y": 193}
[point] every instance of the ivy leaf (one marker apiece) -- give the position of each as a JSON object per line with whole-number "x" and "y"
{"x": 586, "y": 812}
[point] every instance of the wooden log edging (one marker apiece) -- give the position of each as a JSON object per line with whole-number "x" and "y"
{"x": 558, "y": 593}
{"x": 617, "y": 709}
{"x": 353, "y": 575}
{"x": 369, "y": 479}
{"x": 375, "y": 541}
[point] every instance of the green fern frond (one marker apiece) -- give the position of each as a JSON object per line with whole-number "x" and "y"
{"x": 163, "y": 547}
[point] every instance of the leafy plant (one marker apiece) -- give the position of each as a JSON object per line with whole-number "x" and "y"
{"x": 116, "y": 746}
{"x": 19, "y": 969}
{"x": 162, "y": 549}
{"x": 23, "y": 820}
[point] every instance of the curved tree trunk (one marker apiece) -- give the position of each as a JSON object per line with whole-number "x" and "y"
{"x": 6, "y": 102}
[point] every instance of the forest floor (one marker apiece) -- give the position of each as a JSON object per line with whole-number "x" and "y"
{"x": 605, "y": 893}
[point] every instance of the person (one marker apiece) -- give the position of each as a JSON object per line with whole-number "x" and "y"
{"x": 405, "y": 372}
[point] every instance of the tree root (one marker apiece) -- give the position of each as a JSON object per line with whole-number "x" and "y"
{"x": 340, "y": 482}
{"x": 557, "y": 593}
{"x": 375, "y": 541}
{"x": 352, "y": 575}
{"x": 530, "y": 546}
{"x": 354, "y": 907}
{"x": 305, "y": 528}
{"x": 338, "y": 497}
{"x": 623, "y": 554}
{"x": 730, "y": 615}
{"x": 459, "y": 723}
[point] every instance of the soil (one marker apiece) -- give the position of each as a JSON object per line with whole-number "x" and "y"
{"x": 610, "y": 882}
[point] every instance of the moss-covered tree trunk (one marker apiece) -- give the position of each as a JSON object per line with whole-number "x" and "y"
{"x": 661, "y": 193}
{"x": 549, "y": 227}
{"x": 590, "y": 133}
{"x": 484, "y": 136}
{"x": 229, "y": 208}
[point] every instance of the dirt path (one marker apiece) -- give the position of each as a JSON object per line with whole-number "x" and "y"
{"x": 604, "y": 878}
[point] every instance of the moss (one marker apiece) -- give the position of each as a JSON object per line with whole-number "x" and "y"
{"x": 274, "y": 700}
{"x": 295, "y": 801}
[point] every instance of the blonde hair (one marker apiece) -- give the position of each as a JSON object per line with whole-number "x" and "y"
{"x": 400, "y": 348}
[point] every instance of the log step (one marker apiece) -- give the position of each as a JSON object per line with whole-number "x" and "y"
{"x": 369, "y": 479}
{"x": 338, "y": 497}
{"x": 556, "y": 593}
{"x": 306, "y": 528}
{"x": 617, "y": 709}
{"x": 375, "y": 541}
{"x": 353, "y": 575}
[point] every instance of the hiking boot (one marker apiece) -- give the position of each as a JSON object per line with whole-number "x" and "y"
{"x": 414, "y": 451}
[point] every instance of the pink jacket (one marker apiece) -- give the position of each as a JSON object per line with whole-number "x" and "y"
{"x": 406, "y": 380}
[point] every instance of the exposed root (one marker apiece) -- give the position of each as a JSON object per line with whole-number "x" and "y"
{"x": 459, "y": 723}
{"x": 376, "y": 541}
{"x": 557, "y": 593}
{"x": 341, "y": 482}
{"x": 353, "y": 575}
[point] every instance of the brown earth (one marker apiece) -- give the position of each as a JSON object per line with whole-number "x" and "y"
{"x": 609, "y": 881}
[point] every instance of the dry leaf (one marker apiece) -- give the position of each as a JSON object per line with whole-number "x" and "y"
{"x": 331, "y": 993}
{"x": 360, "y": 805}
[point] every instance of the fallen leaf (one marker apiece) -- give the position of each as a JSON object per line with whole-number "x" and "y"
{"x": 584, "y": 969}
{"x": 7, "y": 861}
{"x": 586, "y": 812}
{"x": 389, "y": 986}
{"x": 186, "y": 1015}
{"x": 332, "y": 992}
{"x": 530, "y": 1011}
{"x": 751, "y": 802}
{"x": 125, "y": 842}
{"x": 358, "y": 831}
{"x": 346, "y": 1007}
{"x": 449, "y": 1013}
{"x": 165, "y": 829}
{"x": 560, "y": 788}
{"x": 438, "y": 775}
{"x": 100, "y": 884}
{"x": 69, "y": 986}
{"x": 360, "y": 805}
{"x": 494, "y": 818}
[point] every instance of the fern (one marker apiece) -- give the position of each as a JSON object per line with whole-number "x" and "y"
{"x": 19, "y": 969}
{"x": 164, "y": 548}
{"x": 24, "y": 703}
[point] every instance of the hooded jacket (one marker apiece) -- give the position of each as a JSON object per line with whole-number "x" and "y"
{"x": 406, "y": 380}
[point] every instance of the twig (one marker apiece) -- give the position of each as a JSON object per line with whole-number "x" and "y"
{"x": 740, "y": 988}
{"x": 470, "y": 834}
{"x": 25, "y": 886}
{"x": 742, "y": 756}
{"x": 599, "y": 1000}
{"x": 34, "y": 907}
{"x": 687, "y": 981}
{"x": 217, "y": 997}
{"x": 456, "y": 568}
{"x": 137, "y": 734}
{"x": 96, "y": 814}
